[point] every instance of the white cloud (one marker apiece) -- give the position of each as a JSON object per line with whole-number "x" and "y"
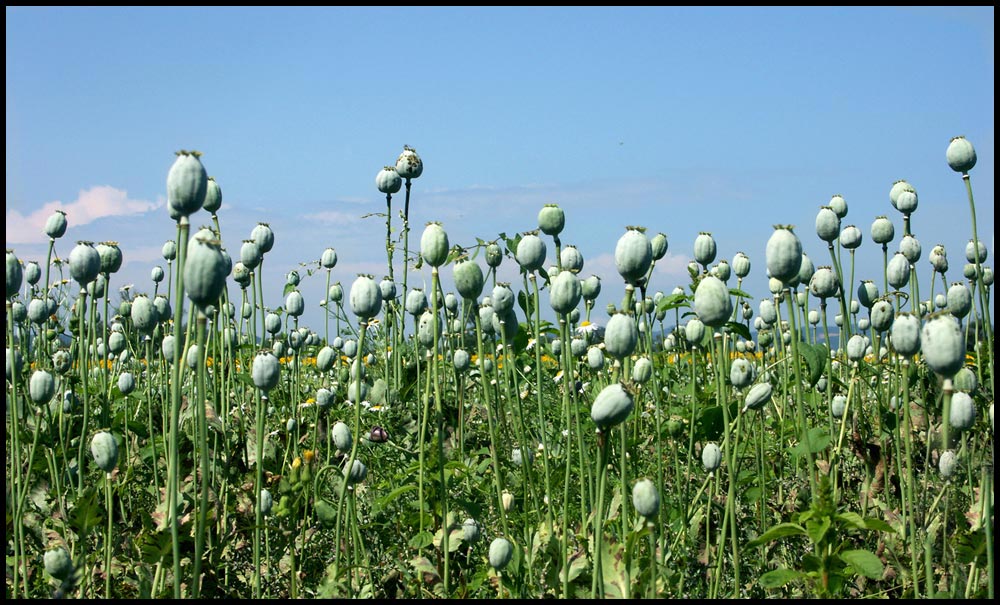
{"x": 91, "y": 204}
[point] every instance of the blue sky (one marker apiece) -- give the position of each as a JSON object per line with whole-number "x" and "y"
{"x": 681, "y": 120}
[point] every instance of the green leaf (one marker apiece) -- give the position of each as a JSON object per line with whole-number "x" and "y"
{"x": 817, "y": 529}
{"x": 421, "y": 540}
{"x": 778, "y": 578}
{"x": 781, "y": 530}
{"x": 817, "y": 440}
{"x": 852, "y": 520}
{"x": 288, "y": 289}
{"x": 863, "y": 562}
{"x": 672, "y": 301}
{"x": 740, "y": 293}
{"x": 878, "y": 525}
{"x": 815, "y": 360}
{"x": 738, "y": 328}
{"x": 578, "y": 563}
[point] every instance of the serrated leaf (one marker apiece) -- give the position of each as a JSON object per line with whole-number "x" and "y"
{"x": 863, "y": 562}
{"x": 740, "y": 293}
{"x": 781, "y": 530}
{"x": 672, "y": 301}
{"x": 778, "y": 578}
{"x": 817, "y": 529}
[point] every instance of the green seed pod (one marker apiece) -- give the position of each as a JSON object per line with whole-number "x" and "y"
{"x": 295, "y": 305}
{"x": 740, "y": 373}
{"x": 723, "y": 271}
{"x": 110, "y": 255}
{"x": 838, "y": 405}
{"x": 658, "y": 246}
{"x": 565, "y": 293}
{"x": 909, "y": 246}
{"x": 620, "y": 336}
{"x": 612, "y": 406}
{"x": 633, "y": 255}
{"x": 324, "y": 398}
{"x": 263, "y": 236}
{"x": 187, "y": 185}
{"x": 898, "y": 271}
{"x": 856, "y": 347}
{"x": 642, "y": 371}
{"x": 897, "y": 188}
{"x": 590, "y": 288}
{"x": 905, "y": 334}
{"x": 366, "y": 298}
{"x": 329, "y": 258}
{"x": 388, "y": 180}
{"x": 84, "y": 264}
{"x": 827, "y": 224}
{"x": 882, "y": 315}
{"x": 577, "y": 347}
{"x": 469, "y": 280}
{"x": 694, "y": 331}
{"x": 265, "y": 371}
{"x": 505, "y": 324}
{"x": 470, "y": 531}
{"x": 38, "y": 311}
{"x": 943, "y": 346}
{"x": 501, "y": 552}
{"x": 503, "y": 298}
{"x": 961, "y": 155}
{"x": 806, "y": 270}
{"x": 408, "y": 164}
{"x": 342, "y": 439}
{"x": 357, "y": 472}
{"x": 850, "y": 237}
{"x": 250, "y": 254}
{"x": 741, "y": 265}
{"x": 494, "y": 256}
{"x": 213, "y": 196}
{"x": 350, "y": 347}
{"x": 839, "y": 205}
{"x": 712, "y": 303}
{"x": 241, "y": 275}
{"x": 416, "y": 302}
{"x": 325, "y": 359}
{"x": 939, "y": 259}
{"x": 192, "y": 356}
{"x": 965, "y": 380}
{"x": 963, "y": 411}
{"x": 867, "y": 293}
{"x": 959, "y": 300}
{"x": 425, "y": 330}
{"x": 434, "y": 245}
{"x": 571, "y": 259}
{"x": 704, "y": 249}
{"x": 169, "y": 250}
{"x": 969, "y": 271}
{"x": 126, "y": 383}
{"x": 265, "y": 502}
{"x": 882, "y": 230}
{"x": 970, "y": 252}
{"x": 42, "y": 387}
{"x": 55, "y": 225}
{"x": 98, "y": 286}
{"x": 783, "y": 254}
{"x": 272, "y": 323}
{"x": 58, "y": 563}
{"x": 595, "y": 358}
{"x": 461, "y": 360}
{"x": 204, "y": 272}
{"x": 104, "y": 449}
{"x": 646, "y": 498}
{"x": 823, "y": 284}
{"x": 947, "y": 463}
{"x": 168, "y": 348}
{"x": 32, "y": 273}
{"x": 758, "y": 396}
{"x": 530, "y": 253}
{"x": 711, "y": 457}
{"x": 906, "y": 202}
{"x": 551, "y": 219}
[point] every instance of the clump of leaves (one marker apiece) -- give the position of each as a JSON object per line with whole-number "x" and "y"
{"x": 831, "y": 562}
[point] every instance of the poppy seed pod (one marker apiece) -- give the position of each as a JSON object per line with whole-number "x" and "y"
{"x": 838, "y": 405}
{"x": 365, "y": 297}
{"x": 856, "y": 346}
{"x": 590, "y": 288}
{"x": 595, "y": 358}
{"x": 712, "y": 303}
{"x": 104, "y": 449}
{"x": 204, "y": 271}
{"x": 961, "y": 155}
{"x": 971, "y": 249}
{"x": 84, "y": 263}
{"x": 213, "y": 196}
{"x": 342, "y": 439}
{"x": 551, "y": 219}
{"x": 882, "y": 315}
{"x": 144, "y": 314}
{"x": 611, "y": 406}
{"x": 335, "y": 293}
{"x": 723, "y": 271}
{"x": 55, "y": 225}
{"x": 501, "y": 551}
{"x": 646, "y": 498}
{"x": 905, "y": 334}
{"x": 425, "y": 329}
{"x": 711, "y": 457}
{"x": 415, "y": 302}
{"x": 867, "y": 293}
{"x": 434, "y": 245}
{"x": 357, "y": 472}
{"x": 839, "y": 205}
{"x": 850, "y": 237}
{"x": 963, "y": 411}
{"x": 329, "y": 258}
{"x": 388, "y": 180}
{"x": 494, "y": 256}
{"x": 898, "y": 271}
{"x": 530, "y": 253}
{"x": 694, "y": 331}
{"x": 658, "y": 245}
{"x": 126, "y": 383}
{"x": 408, "y": 164}
{"x": 783, "y": 254}
{"x": 187, "y": 185}
{"x": 827, "y": 224}
{"x": 14, "y": 274}
{"x": 897, "y": 188}
{"x": 264, "y": 237}
{"x": 939, "y": 259}
{"x": 767, "y": 311}
{"x": 910, "y": 247}
{"x": 758, "y": 396}
{"x": 906, "y": 202}
{"x": 806, "y": 270}
{"x": 633, "y": 255}
{"x": 740, "y": 373}
{"x": 58, "y": 563}
{"x": 565, "y": 293}
{"x": 571, "y": 259}
{"x": 265, "y": 371}
{"x": 469, "y": 280}
{"x": 503, "y": 298}
{"x": 882, "y": 230}
{"x": 41, "y": 387}
{"x": 642, "y": 371}
{"x": 294, "y": 303}
{"x": 620, "y": 336}
{"x": 169, "y": 250}
{"x": 943, "y": 345}
{"x": 959, "y": 300}
{"x": 741, "y": 265}
{"x": 250, "y": 254}
{"x": 387, "y": 289}
{"x": 111, "y": 256}
{"x": 947, "y": 463}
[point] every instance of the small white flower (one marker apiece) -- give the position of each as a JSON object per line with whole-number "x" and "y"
{"x": 531, "y": 344}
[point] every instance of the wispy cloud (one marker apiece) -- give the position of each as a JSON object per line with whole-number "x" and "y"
{"x": 90, "y": 205}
